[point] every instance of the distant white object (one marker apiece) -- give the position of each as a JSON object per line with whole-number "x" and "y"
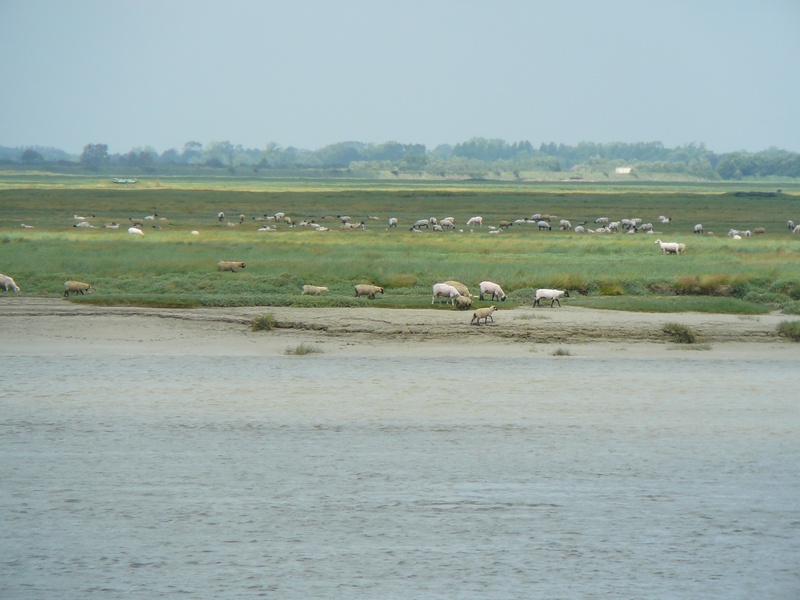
{"x": 195, "y": 232}
{"x": 135, "y": 231}
{"x": 623, "y": 170}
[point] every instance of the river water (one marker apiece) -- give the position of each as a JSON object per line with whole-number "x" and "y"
{"x": 323, "y": 476}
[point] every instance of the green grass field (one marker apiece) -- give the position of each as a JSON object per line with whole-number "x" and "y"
{"x": 170, "y": 267}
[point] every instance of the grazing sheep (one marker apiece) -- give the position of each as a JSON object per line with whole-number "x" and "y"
{"x": 564, "y": 225}
{"x": 487, "y": 287}
{"x": 579, "y": 229}
{"x": 505, "y": 224}
{"x": 463, "y": 302}
{"x": 601, "y": 220}
{"x": 759, "y": 230}
{"x": 698, "y": 228}
{"x": 220, "y": 216}
{"x": 544, "y": 225}
{"x": 443, "y": 290}
{"x": 462, "y": 289}
{"x": 422, "y": 223}
{"x": 681, "y": 248}
{"x": 7, "y": 283}
{"x": 483, "y": 313}
{"x": 475, "y": 221}
{"x": 668, "y": 247}
{"x": 552, "y": 295}
{"x": 76, "y": 287}
{"x": 796, "y": 229}
{"x": 368, "y": 290}
{"x": 135, "y": 231}
{"x": 314, "y": 290}
{"x": 230, "y": 265}
{"x": 790, "y": 223}
{"x": 393, "y": 222}
{"x": 663, "y": 219}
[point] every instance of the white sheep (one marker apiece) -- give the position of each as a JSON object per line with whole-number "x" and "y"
{"x": 579, "y": 229}
{"x": 7, "y": 282}
{"x": 443, "y": 290}
{"x": 483, "y": 313}
{"x": 368, "y": 290}
{"x": 796, "y": 229}
{"x": 487, "y": 287}
{"x": 475, "y": 221}
{"x": 422, "y": 223}
{"x": 601, "y": 220}
{"x": 698, "y": 228}
{"x": 668, "y": 247}
{"x": 392, "y": 221}
{"x": 230, "y": 265}
{"x": 135, "y": 231}
{"x": 552, "y": 295}
{"x": 220, "y": 216}
{"x": 76, "y": 287}
{"x": 790, "y": 223}
{"x": 314, "y": 290}
{"x": 564, "y": 225}
{"x": 544, "y": 225}
{"x": 84, "y": 225}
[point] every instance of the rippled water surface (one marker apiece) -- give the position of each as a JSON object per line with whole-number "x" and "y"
{"x": 330, "y": 477}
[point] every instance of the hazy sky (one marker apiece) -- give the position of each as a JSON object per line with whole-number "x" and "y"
{"x": 301, "y": 73}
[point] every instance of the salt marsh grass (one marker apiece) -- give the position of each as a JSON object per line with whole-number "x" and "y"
{"x": 626, "y": 272}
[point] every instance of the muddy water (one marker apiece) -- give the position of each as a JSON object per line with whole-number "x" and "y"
{"x": 326, "y": 477}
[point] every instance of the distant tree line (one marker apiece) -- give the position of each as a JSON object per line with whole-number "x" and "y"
{"x": 477, "y": 157}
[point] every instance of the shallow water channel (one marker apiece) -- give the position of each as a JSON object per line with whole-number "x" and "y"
{"x": 405, "y": 477}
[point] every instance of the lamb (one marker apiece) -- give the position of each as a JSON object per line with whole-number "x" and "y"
{"x": 668, "y": 247}
{"x": 496, "y": 291}
{"x": 462, "y": 289}
{"x": 76, "y": 287}
{"x": 135, "y": 231}
{"x": 314, "y": 290}
{"x": 463, "y": 302}
{"x": 475, "y": 221}
{"x": 552, "y": 295}
{"x": 368, "y": 290}
{"x": 7, "y": 282}
{"x": 483, "y": 313}
{"x": 443, "y": 290}
{"x": 230, "y": 265}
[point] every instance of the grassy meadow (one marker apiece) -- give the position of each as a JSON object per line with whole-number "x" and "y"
{"x": 170, "y": 267}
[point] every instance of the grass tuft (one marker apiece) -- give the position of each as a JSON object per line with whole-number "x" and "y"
{"x": 680, "y": 333}
{"x": 790, "y": 329}
{"x": 265, "y": 322}
{"x": 303, "y": 349}
{"x": 561, "y": 352}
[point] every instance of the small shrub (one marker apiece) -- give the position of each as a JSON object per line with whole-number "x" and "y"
{"x": 561, "y": 352}
{"x": 265, "y": 322}
{"x": 302, "y": 350}
{"x": 792, "y": 308}
{"x": 790, "y": 329}
{"x": 680, "y": 333}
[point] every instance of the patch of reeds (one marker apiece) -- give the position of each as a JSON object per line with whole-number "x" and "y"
{"x": 561, "y": 352}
